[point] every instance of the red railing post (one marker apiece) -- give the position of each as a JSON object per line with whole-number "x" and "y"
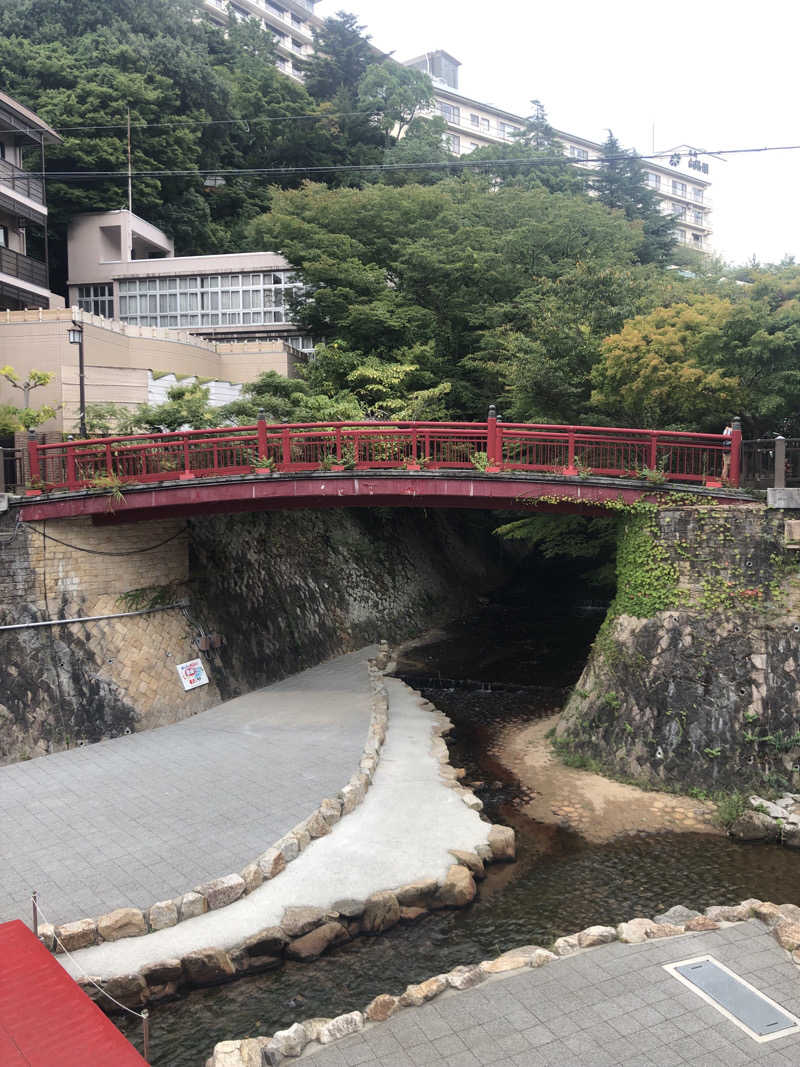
{"x": 71, "y": 473}
{"x": 735, "y": 472}
{"x": 571, "y": 468}
{"x": 491, "y": 436}
{"x": 652, "y": 461}
{"x": 109, "y": 461}
{"x": 262, "y": 436}
{"x": 286, "y": 448}
{"x": 339, "y": 444}
{"x": 33, "y": 458}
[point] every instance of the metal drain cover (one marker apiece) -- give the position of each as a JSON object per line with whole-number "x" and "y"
{"x": 742, "y": 1003}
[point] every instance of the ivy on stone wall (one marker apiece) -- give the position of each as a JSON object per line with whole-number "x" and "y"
{"x": 647, "y": 578}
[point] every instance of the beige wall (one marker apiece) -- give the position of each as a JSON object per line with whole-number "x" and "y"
{"x": 97, "y": 244}
{"x": 117, "y": 360}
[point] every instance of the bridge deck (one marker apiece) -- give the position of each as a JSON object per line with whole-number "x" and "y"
{"x": 515, "y": 490}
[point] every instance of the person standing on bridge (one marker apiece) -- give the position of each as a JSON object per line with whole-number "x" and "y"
{"x": 727, "y": 435}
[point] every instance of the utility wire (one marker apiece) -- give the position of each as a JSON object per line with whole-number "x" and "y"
{"x": 98, "y": 552}
{"x": 90, "y": 175}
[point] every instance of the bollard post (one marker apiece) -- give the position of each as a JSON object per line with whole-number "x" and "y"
{"x": 34, "y": 473}
{"x": 735, "y": 470}
{"x": 491, "y": 436}
{"x": 779, "y": 474}
{"x": 35, "y": 903}
{"x": 262, "y": 436}
{"x": 146, "y": 1033}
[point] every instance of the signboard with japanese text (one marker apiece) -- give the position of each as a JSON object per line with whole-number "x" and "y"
{"x": 192, "y": 674}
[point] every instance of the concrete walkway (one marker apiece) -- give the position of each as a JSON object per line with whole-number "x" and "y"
{"x": 400, "y": 834}
{"x": 607, "y": 1006}
{"x": 149, "y": 816}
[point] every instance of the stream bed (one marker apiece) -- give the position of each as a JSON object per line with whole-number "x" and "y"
{"x": 499, "y": 668}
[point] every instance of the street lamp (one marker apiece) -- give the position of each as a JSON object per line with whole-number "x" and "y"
{"x": 75, "y": 336}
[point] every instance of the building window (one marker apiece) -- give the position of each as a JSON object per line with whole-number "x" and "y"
{"x": 453, "y": 143}
{"x": 697, "y": 217}
{"x": 697, "y": 196}
{"x": 98, "y": 299}
{"x": 209, "y": 299}
{"x": 678, "y": 188}
{"x": 2, "y": 150}
{"x": 697, "y": 239}
{"x": 473, "y": 145}
{"x": 507, "y": 131}
{"x": 485, "y": 125}
{"x": 450, "y": 112}
{"x": 475, "y": 120}
{"x": 680, "y": 236}
{"x": 578, "y": 153}
{"x": 653, "y": 180}
{"x": 3, "y": 236}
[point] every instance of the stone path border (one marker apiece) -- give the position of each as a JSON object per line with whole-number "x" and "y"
{"x": 309, "y": 1035}
{"x": 135, "y": 922}
{"x": 305, "y": 933}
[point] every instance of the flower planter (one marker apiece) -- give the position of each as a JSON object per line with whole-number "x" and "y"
{"x": 33, "y": 492}
{"x": 263, "y": 470}
{"x": 337, "y": 467}
{"x": 186, "y": 476}
{"x": 413, "y": 467}
{"x": 711, "y": 484}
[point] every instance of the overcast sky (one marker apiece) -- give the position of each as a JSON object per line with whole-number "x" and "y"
{"x": 711, "y": 74}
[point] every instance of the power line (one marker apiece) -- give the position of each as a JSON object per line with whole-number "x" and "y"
{"x": 462, "y": 162}
{"x": 317, "y": 116}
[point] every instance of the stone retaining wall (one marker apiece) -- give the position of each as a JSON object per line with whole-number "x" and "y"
{"x": 783, "y": 920}
{"x": 694, "y": 678}
{"x": 304, "y": 933}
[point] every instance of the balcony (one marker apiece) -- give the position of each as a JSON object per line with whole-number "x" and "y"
{"x": 21, "y": 193}
{"x": 25, "y": 269}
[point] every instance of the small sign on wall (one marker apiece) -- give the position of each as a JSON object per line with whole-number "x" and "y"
{"x": 192, "y": 674}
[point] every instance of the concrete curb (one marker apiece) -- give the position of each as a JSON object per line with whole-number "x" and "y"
{"x": 303, "y": 1038}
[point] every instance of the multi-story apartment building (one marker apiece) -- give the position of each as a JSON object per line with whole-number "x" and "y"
{"x": 24, "y": 279}
{"x": 682, "y": 186}
{"x": 291, "y": 22}
{"x": 122, "y": 267}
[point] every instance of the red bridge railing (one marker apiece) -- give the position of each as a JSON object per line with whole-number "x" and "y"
{"x": 492, "y": 446}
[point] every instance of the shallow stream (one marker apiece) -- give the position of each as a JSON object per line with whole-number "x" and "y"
{"x": 498, "y": 668}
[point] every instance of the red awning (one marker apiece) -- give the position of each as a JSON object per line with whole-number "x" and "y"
{"x": 45, "y": 1018}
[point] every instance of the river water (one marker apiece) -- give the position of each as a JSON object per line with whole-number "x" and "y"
{"x": 500, "y": 667}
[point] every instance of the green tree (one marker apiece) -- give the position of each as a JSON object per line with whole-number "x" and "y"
{"x": 662, "y": 369}
{"x": 394, "y": 95}
{"x": 342, "y": 54}
{"x": 414, "y": 285}
{"x": 619, "y": 182}
{"x": 26, "y": 417}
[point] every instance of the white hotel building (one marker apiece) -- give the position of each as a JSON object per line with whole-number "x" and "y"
{"x": 682, "y": 189}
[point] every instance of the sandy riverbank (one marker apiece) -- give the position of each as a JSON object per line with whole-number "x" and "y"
{"x": 598, "y": 808}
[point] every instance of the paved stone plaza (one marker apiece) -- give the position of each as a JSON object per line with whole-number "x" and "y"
{"x": 613, "y": 1005}
{"x": 147, "y": 817}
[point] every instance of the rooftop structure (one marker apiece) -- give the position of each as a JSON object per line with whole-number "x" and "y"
{"x": 24, "y": 281}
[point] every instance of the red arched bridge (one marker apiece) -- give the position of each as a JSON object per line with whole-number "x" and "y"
{"x": 488, "y": 464}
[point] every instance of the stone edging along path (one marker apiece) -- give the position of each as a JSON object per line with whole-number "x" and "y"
{"x": 304, "y": 933}
{"x": 133, "y": 922}
{"x": 303, "y": 1037}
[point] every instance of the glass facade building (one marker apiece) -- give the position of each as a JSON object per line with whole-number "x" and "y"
{"x": 244, "y": 299}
